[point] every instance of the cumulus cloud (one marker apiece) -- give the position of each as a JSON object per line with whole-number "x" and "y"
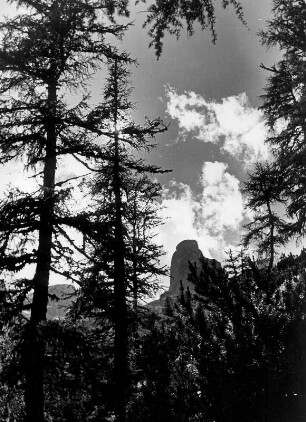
{"x": 221, "y": 203}
{"x": 179, "y": 214}
{"x": 233, "y": 124}
{"x": 211, "y": 217}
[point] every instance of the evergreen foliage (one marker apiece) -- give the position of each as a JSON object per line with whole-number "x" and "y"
{"x": 241, "y": 342}
{"x": 235, "y": 349}
{"x": 171, "y": 16}
{"x": 76, "y": 361}
{"x": 264, "y": 190}
{"x": 125, "y": 261}
{"x": 247, "y": 316}
{"x": 284, "y": 103}
{"x": 51, "y": 47}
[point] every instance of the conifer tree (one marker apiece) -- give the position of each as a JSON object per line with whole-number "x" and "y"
{"x": 142, "y": 218}
{"x": 169, "y": 16}
{"x": 51, "y": 47}
{"x": 284, "y": 103}
{"x": 125, "y": 260}
{"x": 241, "y": 322}
{"x": 265, "y": 190}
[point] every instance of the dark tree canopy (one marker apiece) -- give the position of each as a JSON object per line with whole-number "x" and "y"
{"x": 232, "y": 351}
{"x": 46, "y": 50}
{"x": 264, "y": 190}
{"x": 284, "y": 103}
{"x": 124, "y": 259}
{"x": 173, "y": 15}
{"x": 249, "y": 321}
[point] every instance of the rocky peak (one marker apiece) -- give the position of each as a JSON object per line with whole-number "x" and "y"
{"x": 186, "y": 251}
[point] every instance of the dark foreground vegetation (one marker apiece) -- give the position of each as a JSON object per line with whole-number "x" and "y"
{"x": 232, "y": 351}
{"x": 235, "y": 350}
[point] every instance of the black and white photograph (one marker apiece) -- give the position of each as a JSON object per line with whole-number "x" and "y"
{"x": 152, "y": 210}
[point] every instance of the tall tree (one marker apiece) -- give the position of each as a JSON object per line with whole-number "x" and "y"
{"x": 51, "y": 47}
{"x": 264, "y": 189}
{"x": 284, "y": 103}
{"x": 142, "y": 218}
{"x": 125, "y": 259}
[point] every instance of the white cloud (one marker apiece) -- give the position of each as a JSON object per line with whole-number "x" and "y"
{"x": 212, "y": 217}
{"x": 233, "y": 124}
{"x": 221, "y": 205}
{"x": 179, "y": 213}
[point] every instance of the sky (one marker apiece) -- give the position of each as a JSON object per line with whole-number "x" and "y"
{"x": 209, "y": 95}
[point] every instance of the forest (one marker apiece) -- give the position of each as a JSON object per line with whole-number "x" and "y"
{"x": 231, "y": 350}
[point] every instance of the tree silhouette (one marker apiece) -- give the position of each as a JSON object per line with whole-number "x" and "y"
{"x": 51, "y": 47}
{"x": 170, "y": 16}
{"x": 125, "y": 260}
{"x": 241, "y": 320}
{"x": 284, "y": 103}
{"x": 264, "y": 189}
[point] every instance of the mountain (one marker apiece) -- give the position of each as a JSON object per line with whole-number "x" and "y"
{"x": 60, "y": 298}
{"x": 61, "y": 295}
{"x": 186, "y": 251}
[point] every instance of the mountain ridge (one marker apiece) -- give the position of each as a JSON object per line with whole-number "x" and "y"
{"x": 61, "y": 295}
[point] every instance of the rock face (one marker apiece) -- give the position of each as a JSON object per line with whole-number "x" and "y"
{"x": 186, "y": 251}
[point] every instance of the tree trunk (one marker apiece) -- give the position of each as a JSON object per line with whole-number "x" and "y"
{"x": 271, "y": 261}
{"x": 34, "y": 390}
{"x": 121, "y": 334}
{"x": 120, "y": 308}
{"x": 134, "y": 251}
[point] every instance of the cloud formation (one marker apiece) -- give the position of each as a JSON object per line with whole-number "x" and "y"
{"x": 221, "y": 203}
{"x": 211, "y": 217}
{"x": 233, "y": 124}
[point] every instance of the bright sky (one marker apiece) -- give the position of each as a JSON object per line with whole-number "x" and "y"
{"x": 209, "y": 94}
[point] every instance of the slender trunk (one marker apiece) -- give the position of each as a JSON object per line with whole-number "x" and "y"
{"x": 120, "y": 311}
{"x": 135, "y": 283}
{"x": 34, "y": 390}
{"x": 121, "y": 333}
{"x": 135, "y": 278}
{"x": 271, "y": 261}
